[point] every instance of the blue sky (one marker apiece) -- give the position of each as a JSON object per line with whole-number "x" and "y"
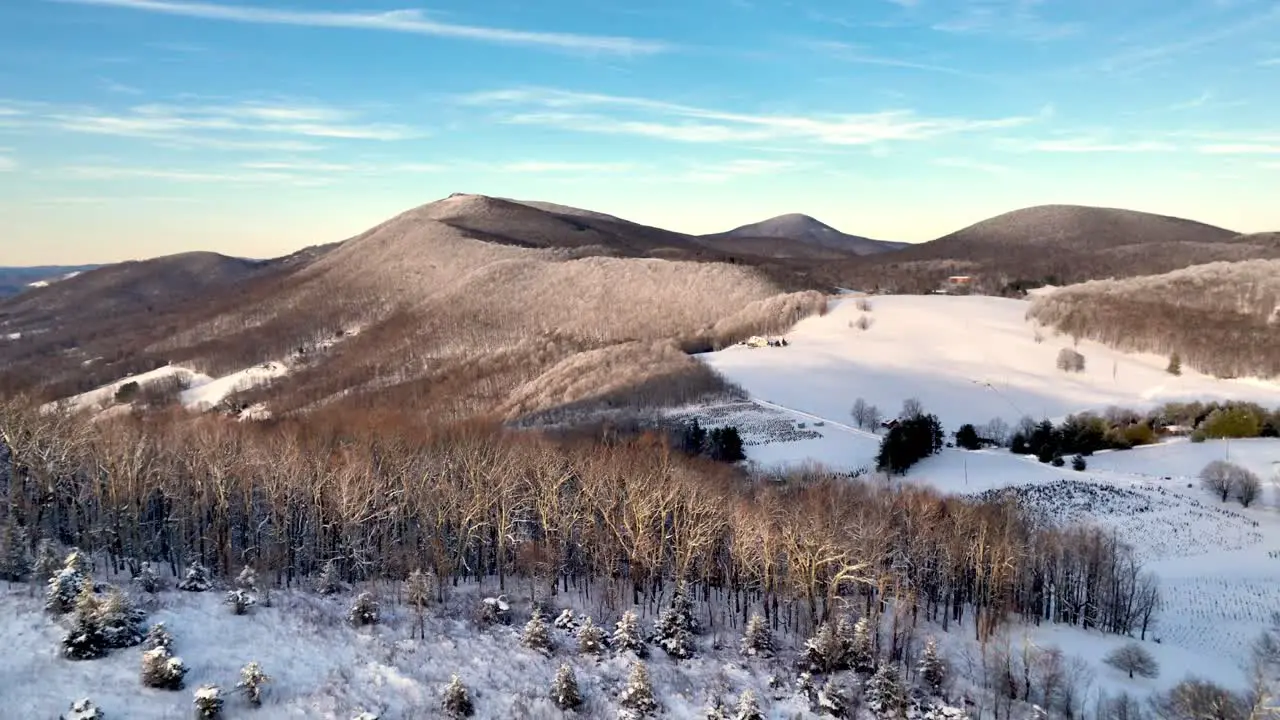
{"x": 134, "y": 128}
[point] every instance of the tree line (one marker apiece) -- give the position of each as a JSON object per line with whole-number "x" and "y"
{"x": 382, "y": 495}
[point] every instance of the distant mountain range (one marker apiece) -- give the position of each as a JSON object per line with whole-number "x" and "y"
{"x": 515, "y": 309}
{"x": 14, "y": 280}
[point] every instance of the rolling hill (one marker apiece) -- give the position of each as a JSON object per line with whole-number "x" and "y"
{"x": 796, "y": 235}
{"x": 14, "y": 280}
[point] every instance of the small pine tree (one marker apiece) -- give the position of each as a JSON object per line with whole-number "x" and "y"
{"x": 565, "y": 621}
{"x": 637, "y": 696}
{"x": 247, "y": 580}
{"x": 162, "y": 670}
{"x": 748, "y": 707}
{"x": 886, "y": 695}
{"x": 364, "y": 611}
{"x": 832, "y": 699}
{"x": 862, "y": 649}
{"x": 196, "y": 579}
{"x": 85, "y": 641}
{"x": 158, "y": 636}
{"x": 418, "y": 590}
{"x": 675, "y": 627}
{"x": 14, "y": 563}
{"x": 47, "y": 563}
{"x": 824, "y": 651}
{"x": 84, "y": 709}
{"x": 457, "y": 701}
{"x": 148, "y": 578}
{"x": 240, "y": 601}
{"x": 1078, "y": 463}
{"x": 64, "y": 586}
{"x": 1175, "y": 364}
{"x": 564, "y": 690}
{"x": 120, "y": 621}
{"x": 716, "y": 710}
{"x": 591, "y": 638}
{"x": 252, "y": 678}
{"x": 536, "y": 635}
{"x": 208, "y": 702}
{"x": 329, "y": 583}
{"x": 757, "y": 640}
{"x": 933, "y": 671}
{"x": 626, "y": 635}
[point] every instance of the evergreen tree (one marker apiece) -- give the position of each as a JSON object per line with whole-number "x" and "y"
{"x": 536, "y": 635}
{"x": 910, "y": 441}
{"x": 637, "y": 696}
{"x": 886, "y": 695}
{"x": 824, "y": 651}
{"x": 147, "y": 579}
{"x": 162, "y": 670}
{"x": 1175, "y": 364}
{"x": 47, "y": 562}
{"x": 418, "y": 589}
{"x": 85, "y": 641}
{"x": 120, "y": 620}
{"x": 1078, "y": 463}
{"x": 716, "y": 710}
{"x": 84, "y": 709}
{"x": 590, "y": 638}
{"x": 748, "y": 707}
{"x": 675, "y": 627}
{"x": 158, "y": 636}
{"x": 832, "y": 699}
{"x": 252, "y": 678}
{"x": 64, "y": 586}
{"x": 757, "y": 640}
{"x": 329, "y": 582}
{"x": 626, "y": 635}
{"x": 566, "y": 620}
{"x": 457, "y": 701}
{"x": 240, "y": 601}
{"x": 14, "y": 563}
{"x": 933, "y": 671}
{"x": 364, "y": 611}
{"x": 846, "y": 631}
{"x": 967, "y": 437}
{"x": 564, "y": 690}
{"x": 208, "y": 702}
{"x": 862, "y": 649}
{"x": 247, "y": 580}
{"x": 725, "y": 445}
{"x": 196, "y": 579}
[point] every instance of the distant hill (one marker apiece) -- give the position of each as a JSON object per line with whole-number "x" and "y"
{"x": 14, "y": 280}
{"x": 796, "y": 235}
{"x": 1057, "y": 244}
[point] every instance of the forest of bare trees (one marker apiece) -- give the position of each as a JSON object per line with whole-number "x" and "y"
{"x": 381, "y": 496}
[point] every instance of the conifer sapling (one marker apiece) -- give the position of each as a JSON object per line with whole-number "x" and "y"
{"x": 457, "y": 701}
{"x": 564, "y": 690}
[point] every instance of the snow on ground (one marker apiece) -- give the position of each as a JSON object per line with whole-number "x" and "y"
{"x": 968, "y": 358}
{"x": 209, "y": 394}
{"x": 105, "y": 395}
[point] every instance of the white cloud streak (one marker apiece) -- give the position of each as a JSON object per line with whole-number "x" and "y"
{"x": 970, "y": 164}
{"x": 399, "y": 21}
{"x": 8, "y": 164}
{"x": 685, "y": 123}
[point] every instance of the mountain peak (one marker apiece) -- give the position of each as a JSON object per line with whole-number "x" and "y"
{"x": 806, "y": 229}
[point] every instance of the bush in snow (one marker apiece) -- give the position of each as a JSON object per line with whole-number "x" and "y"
{"x": 933, "y": 671}
{"x": 85, "y": 641}
{"x": 1134, "y": 659}
{"x": 1070, "y": 361}
{"x": 120, "y": 621}
{"x": 364, "y": 611}
{"x": 1078, "y": 463}
{"x": 757, "y": 640}
{"x": 626, "y": 635}
{"x": 158, "y": 636}
{"x": 208, "y": 702}
{"x": 47, "y": 562}
{"x": 14, "y": 563}
{"x": 492, "y": 611}
{"x": 418, "y": 589}
{"x": 148, "y": 578}
{"x": 536, "y": 636}
{"x": 162, "y": 670}
{"x": 240, "y": 601}
{"x": 885, "y": 693}
{"x": 565, "y": 621}
{"x": 251, "y": 681}
{"x": 329, "y": 583}
{"x": 564, "y": 689}
{"x": 64, "y": 585}
{"x": 196, "y": 579}
{"x": 591, "y": 638}
{"x": 637, "y": 696}
{"x": 804, "y": 688}
{"x": 716, "y": 710}
{"x": 247, "y": 579}
{"x": 825, "y": 652}
{"x": 84, "y": 709}
{"x": 748, "y": 707}
{"x": 457, "y": 701}
{"x": 366, "y": 715}
{"x": 940, "y": 711}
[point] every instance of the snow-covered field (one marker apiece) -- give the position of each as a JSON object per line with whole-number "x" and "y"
{"x": 971, "y": 359}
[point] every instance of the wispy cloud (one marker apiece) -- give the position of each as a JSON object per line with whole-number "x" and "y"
{"x": 1199, "y": 101}
{"x": 1240, "y": 149}
{"x": 248, "y": 177}
{"x": 583, "y": 112}
{"x": 1269, "y": 62}
{"x": 730, "y": 170}
{"x": 1139, "y": 58}
{"x": 119, "y": 88}
{"x": 7, "y": 164}
{"x": 970, "y": 164}
{"x": 1018, "y": 19}
{"x": 401, "y": 21}
{"x": 1091, "y": 145}
{"x": 545, "y": 166}
{"x": 851, "y": 53}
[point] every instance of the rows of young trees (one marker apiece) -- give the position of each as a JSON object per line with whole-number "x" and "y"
{"x": 381, "y": 496}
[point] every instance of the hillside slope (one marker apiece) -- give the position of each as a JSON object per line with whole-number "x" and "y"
{"x": 796, "y": 235}
{"x": 14, "y": 280}
{"x": 1058, "y": 244}
{"x": 1221, "y": 318}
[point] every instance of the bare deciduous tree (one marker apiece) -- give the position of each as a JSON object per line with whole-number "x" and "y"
{"x": 1133, "y": 659}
